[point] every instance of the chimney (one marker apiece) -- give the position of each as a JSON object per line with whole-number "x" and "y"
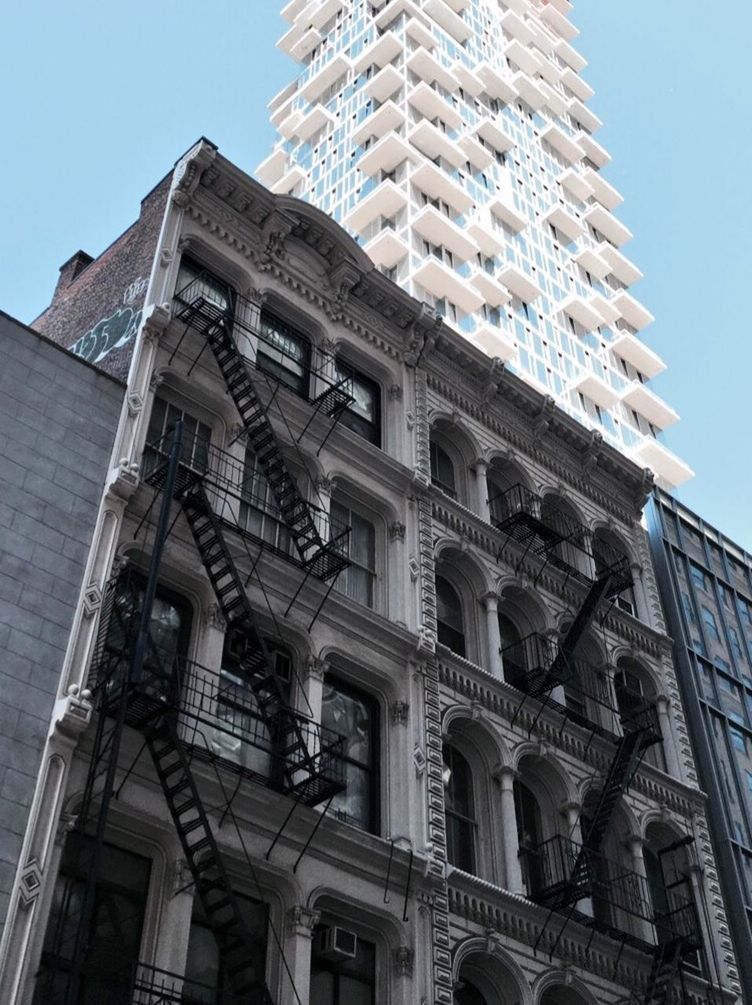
{"x": 71, "y": 270}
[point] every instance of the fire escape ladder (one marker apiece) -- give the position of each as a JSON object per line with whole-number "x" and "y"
{"x": 620, "y": 774}
{"x": 582, "y": 621}
{"x": 212, "y": 884}
{"x": 666, "y": 965}
{"x": 315, "y": 554}
{"x": 258, "y": 662}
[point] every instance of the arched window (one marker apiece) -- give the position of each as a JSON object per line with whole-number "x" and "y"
{"x": 459, "y": 804}
{"x": 602, "y": 897}
{"x": 197, "y": 284}
{"x": 442, "y": 470}
{"x": 468, "y": 994}
{"x": 608, "y": 553}
{"x": 450, "y": 624}
{"x": 512, "y": 649}
{"x": 633, "y": 693}
{"x": 529, "y": 838}
{"x": 568, "y": 553}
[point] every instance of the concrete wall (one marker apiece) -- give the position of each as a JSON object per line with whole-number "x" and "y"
{"x": 58, "y": 417}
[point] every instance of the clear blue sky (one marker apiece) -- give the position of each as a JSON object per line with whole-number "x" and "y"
{"x": 97, "y": 100}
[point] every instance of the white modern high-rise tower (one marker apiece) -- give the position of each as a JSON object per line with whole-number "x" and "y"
{"x": 453, "y": 139}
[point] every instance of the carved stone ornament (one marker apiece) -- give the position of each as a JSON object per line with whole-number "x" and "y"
{"x": 324, "y": 484}
{"x": 493, "y": 380}
{"x": 156, "y": 319}
{"x": 165, "y": 258}
{"x": 73, "y": 713}
{"x": 188, "y": 172}
{"x": 302, "y": 920}
{"x": 404, "y": 959}
{"x": 397, "y": 531}
{"x": 181, "y": 878}
{"x": 542, "y": 422}
{"x": 30, "y": 882}
{"x": 156, "y": 380}
{"x": 214, "y": 618}
{"x": 124, "y": 480}
{"x": 92, "y": 600}
{"x": 414, "y": 567}
{"x": 65, "y": 825}
{"x": 426, "y": 640}
{"x": 135, "y": 403}
{"x": 395, "y": 392}
{"x": 316, "y": 668}
{"x": 419, "y": 760}
{"x": 400, "y": 712}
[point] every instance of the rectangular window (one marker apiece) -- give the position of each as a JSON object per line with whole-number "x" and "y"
{"x": 711, "y": 625}
{"x": 114, "y": 948}
{"x": 199, "y": 289}
{"x": 357, "y": 581}
{"x": 195, "y": 436}
{"x": 738, "y": 739}
{"x": 283, "y": 353}
{"x": 343, "y": 981}
{"x": 363, "y": 415}
{"x": 206, "y": 977}
{"x": 698, "y": 576}
{"x": 259, "y": 512}
{"x": 354, "y": 714}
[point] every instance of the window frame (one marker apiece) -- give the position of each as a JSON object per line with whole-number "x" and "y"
{"x": 341, "y": 684}
{"x": 444, "y": 627}
{"x": 367, "y": 429}
{"x": 277, "y": 369}
{"x": 343, "y": 503}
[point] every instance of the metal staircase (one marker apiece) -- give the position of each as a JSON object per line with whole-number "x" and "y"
{"x": 215, "y": 322}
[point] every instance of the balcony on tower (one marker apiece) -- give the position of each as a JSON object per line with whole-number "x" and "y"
{"x": 384, "y": 84}
{"x": 632, "y": 311}
{"x": 570, "y": 55}
{"x": 470, "y": 81}
{"x": 575, "y": 83}
{"x": 426, "y": 100}
{"x": 384, "y": 200}
{"x": 576, "y": 184}
{"x": 488, "y": 236}
{"x": 443, "y": 282}
{"x": 519, "y": 283}
{"x": 553, "y": 100}
{"x": 289, "y": 181}
{"x": 478, "y": 155}
{"x": 451, "y": 22}
{"x": 379, "y": 53}
{"x": 325, "y": 77}
{"x": 426, "y": 66}
{"x": 272, "y": 167}
{"x": 669, "y": 470}
{"x": 490, "y": 130}
{"x": 647, "y": 403}
{"x": 523, "y": 57}
{"x": 384, "y": 120}
{"x": 494, "y": 341}
{"x": 312, "y": 122}
{"x": 558, "y": 22}
{"x": 438, "y": 229}
{"x": 593, "y": 150}
{"x": 587, "y": 119}
{"x": 318, "y": 12}
{"x": 386, "y": 155}
{"x": 516, "y": 27}
{"x": 432, "y": 142}
{"x": 298, "y": 42}
{"x": 606, "y": 194}
{"x": 634, "y": 351}
{"x": 607, "y": 224}
{"x": 529, "y": 90}
{"x": 496, "y": 84}
{"x": 494, "y": 293}
{"x": 438, "y": 184}
{"x": 621, "y": 267}
{"x": 592, "y": 262}
{"x": 564, "y": 145}
{"x": 387, "y": 248}
{"x": 582, "y": 310}
{"x": 565, "y": 222}
{"x": 595, "y": 388}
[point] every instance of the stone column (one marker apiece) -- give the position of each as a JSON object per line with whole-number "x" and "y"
{"x": 322, "y": 498}
{"x": 642, "y": 608}
{"x": 491, "y": 603}
{"x": 512, "y": 870}
{"x": 394, "y": 434}
{"x": 397, "y": 600}
{"x": 401, "y": 782}
{"x": 669, "y": 747}
{"x": 316, "y": 670}
{"x": 481, "y": 476}
{"x": 301, "y": 921}
{"x": 644, "y": 928}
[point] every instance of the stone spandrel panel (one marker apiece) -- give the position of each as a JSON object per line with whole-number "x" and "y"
{"x": 97, "y": 305}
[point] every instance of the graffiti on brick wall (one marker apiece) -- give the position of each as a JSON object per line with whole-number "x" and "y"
{"x": 114, "y": 331}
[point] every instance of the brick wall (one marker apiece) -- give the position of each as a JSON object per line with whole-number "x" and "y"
{"x": 58, "y": 417}
{"x": 96, "y": 307}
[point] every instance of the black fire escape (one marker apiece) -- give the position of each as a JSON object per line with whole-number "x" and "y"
{"x": 564, "y": 875}
{"x": 185, "y": 713}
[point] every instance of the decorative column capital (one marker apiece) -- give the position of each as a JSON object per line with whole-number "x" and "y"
{"x": 490, "y": 602}
{"x": 213, "y": 617}
{"x": 505, "y": 774}
{"x": 324, "y": 484}
{"x": 480, "y": 465}
{"x": 400, "y": 713}
{"x": 395, "y": 392}
{"x": 316, "y": 668}
{"x": 302, "y": 920}
{"x": 403, "y": 960}
{"x": 397, "y": 531}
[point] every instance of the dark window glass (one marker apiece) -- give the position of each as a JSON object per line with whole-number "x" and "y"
{"x": 363, "y": 416}
{"x": 283, "y": 353}
{"x": 468, "y": 994}
{"x": 450, "y": 626}
{"x": 357, "y": 581}
{"x": 711, "y": 625}
{"x": 195, "y": 437}
{"x": 442, "y": 470}
{"x": 345, "y": 982}
{"x": 260, "y": 514}
{"x": 113, "y": 950}
{"x": 197, "y": 283}
{"x": 206, "y": 978}
{"x": 354, "y": 714}
{"x": 460, "y": 810}
{"x": 529, "y": 837}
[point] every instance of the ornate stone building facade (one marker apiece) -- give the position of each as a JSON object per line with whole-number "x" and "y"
{"x": 370, "y": 699}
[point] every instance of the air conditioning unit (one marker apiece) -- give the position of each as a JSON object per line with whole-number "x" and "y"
{"x": 336, "y": 944}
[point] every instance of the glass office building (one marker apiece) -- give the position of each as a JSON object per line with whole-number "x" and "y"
{"x": 452, "y": 138}
{"x": 705, "y": 582}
